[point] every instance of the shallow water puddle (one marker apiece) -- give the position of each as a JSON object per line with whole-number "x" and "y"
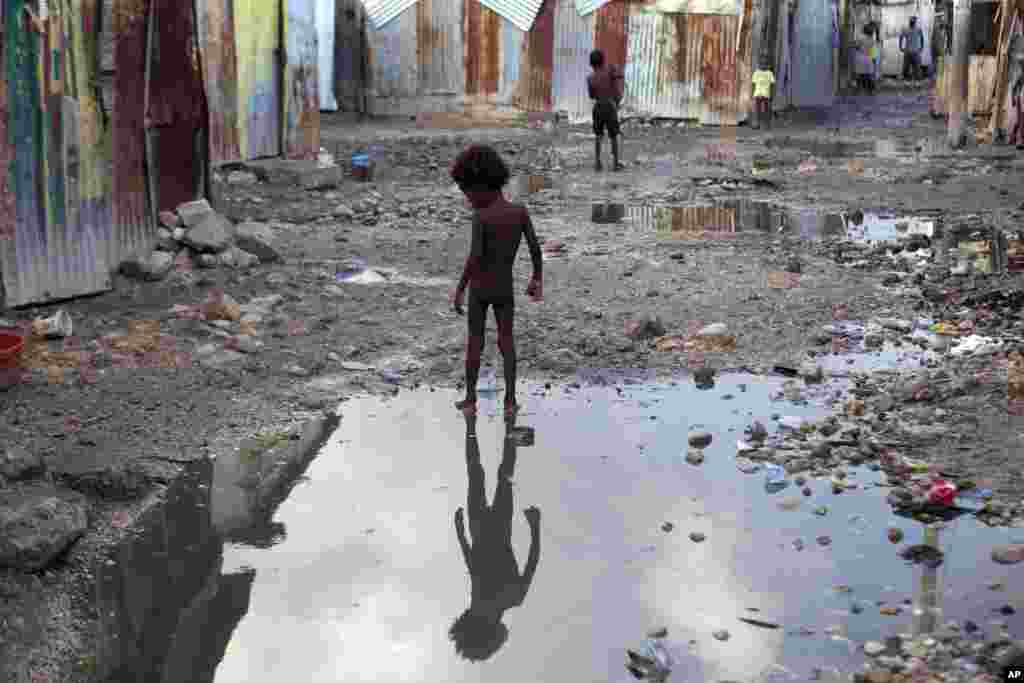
{"x": 727, "y": 218}
{"x": 368, "y": 579}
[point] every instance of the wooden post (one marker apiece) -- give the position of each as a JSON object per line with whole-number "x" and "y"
{"x": 958, "y": 84}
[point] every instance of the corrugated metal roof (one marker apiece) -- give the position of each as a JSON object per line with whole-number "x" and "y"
{"x": 522, "y": 13}
{"x": 380, "y": 12}
{"x": 585, "y": 7}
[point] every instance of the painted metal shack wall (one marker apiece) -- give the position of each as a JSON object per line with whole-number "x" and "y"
{"x": 250, "y": 115}
{"x": 56, "y": 228}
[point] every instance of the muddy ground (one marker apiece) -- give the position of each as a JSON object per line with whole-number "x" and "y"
{"x": 119, "y": 436}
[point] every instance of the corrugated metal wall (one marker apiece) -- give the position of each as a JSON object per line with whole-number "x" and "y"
{"x": 394, "y": 67}
{"x": 350, "y": 55}
{"x": 175, "y": 105}
{"x": 439, "y": 47}
{"x": 513, "y": 40}
{"x": 135, "y": 229}
{"x": 483, "y": 49}
{"x": 301, "y": 80}
{"x": 258, "y": 45}
{"x": 62, "y": 231}
{"x": 536, "y": 68}
{"x": 220, "y": 76}
{"x": 610, "y": 31}
{"x": 812, "y": 54}
{"x": 574, "y": 38}
{"x": 325, "y": 27}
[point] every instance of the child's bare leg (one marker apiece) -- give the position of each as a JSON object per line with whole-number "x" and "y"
{"x": 504, "y": 315}
{"x": 474, "y": 350}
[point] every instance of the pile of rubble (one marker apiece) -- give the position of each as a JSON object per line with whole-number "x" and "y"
{"x": 196, "y": 236}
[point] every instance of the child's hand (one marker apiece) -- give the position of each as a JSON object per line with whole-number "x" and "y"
{"x": 532, "y": 515}
{"x": 535, "y": 290}
{"x": 456, "y": 300}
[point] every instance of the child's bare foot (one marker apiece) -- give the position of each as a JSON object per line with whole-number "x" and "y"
{"x": 467, "y": 406}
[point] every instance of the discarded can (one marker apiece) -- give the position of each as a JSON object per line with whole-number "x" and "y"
{"x": 521, "y": 436}
{"x": 362, "y": 167}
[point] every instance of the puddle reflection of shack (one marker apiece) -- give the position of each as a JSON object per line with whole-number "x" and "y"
{"x": 695, "y": 222}
{"x": 928, "y": 601}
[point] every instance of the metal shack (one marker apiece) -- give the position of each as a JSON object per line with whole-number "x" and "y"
{"x": 506, "y": 57}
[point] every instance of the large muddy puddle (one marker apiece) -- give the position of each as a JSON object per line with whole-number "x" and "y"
{"x": 366, "y": 578}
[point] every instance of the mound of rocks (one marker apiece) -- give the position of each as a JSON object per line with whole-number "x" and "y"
{"x": 196, "y": 236}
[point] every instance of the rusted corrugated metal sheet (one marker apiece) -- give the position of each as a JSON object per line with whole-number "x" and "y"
{"x": 258, "y": 46}
{"x": 301, "y": 97}
{"x": 574, "y": 39}
{"x": 54, "y": 252}
{"x": 350, "y": 54}
{"x": 534, "y": 91}
{"x": 439, "y": 45}
{"x": 610, "y": 31}
{"x": 325, "y": 27}
{"x": 135, "y": 230}
{"x": 522, "y": 13}
{"x": 394, "y": 66}
{"x": 176, "y": 104}
{"x": 483, "y": 49}
{"x": 687, "y": 66}
{"x": 220, "y": 76}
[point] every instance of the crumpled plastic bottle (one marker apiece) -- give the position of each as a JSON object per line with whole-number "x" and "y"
{"x": 488, "y": 382}
{"x": 941, "y": 492}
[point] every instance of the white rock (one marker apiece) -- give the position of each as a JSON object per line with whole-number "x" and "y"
{"x": 713, "y": 330}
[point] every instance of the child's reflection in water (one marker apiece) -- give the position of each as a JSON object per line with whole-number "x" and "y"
{"x": 497, "y": 584}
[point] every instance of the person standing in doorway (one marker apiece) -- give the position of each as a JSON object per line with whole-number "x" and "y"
{"x": 912, "y": 45}
{"x": 605, "y": 87}
{"x": 874, "y": 42}
{"x": 763, "y": 80}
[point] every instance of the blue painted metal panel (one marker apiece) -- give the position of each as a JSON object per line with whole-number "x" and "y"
{"x": 812, "y": 55}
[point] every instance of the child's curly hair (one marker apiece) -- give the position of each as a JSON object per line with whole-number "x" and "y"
{"x": 480, "y": 168}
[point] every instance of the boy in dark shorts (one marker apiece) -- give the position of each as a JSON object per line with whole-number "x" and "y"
{"x": 498, "y": 228}
{"x": 605, "y": 87}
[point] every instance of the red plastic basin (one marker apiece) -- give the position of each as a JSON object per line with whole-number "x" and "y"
{"x": 11, "y": 346}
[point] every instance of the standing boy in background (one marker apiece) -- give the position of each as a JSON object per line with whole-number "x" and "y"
{"x": 763, "y": 80}
{"x": 605, "y": 87}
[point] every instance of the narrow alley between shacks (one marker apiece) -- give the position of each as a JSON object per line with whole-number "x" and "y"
{"x": 770, "y": 404}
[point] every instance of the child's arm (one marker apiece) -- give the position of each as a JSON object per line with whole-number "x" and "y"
{"x": 475, "y": 254}
{"x": 460, "y": 531}
{"x": 535, "y": 255}
{"x": 590, "y": 88}
{"x": 532, "y": 558}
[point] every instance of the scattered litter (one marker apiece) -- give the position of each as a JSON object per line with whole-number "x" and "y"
{"x": 775, "y": 478}
{"x": 57, "y": 326}
{"x": 927, "y": 555}
{"x": 356, "y": 367}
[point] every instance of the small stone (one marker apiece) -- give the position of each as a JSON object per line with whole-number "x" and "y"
{"x": 169, "y": 220}
{"x": 257, "y": 239}
{"x": 194, "y": 213}
{"x": 700, "y": 439}
{"x": 645, "y": 328}
{"x": 889, "y": 611}
{"x": 17, "y": 464}
{"x": 821, "y": 511}
{"x": 212, "y": 235}
{"x": 147, "y": 265}
{"x": 297, "y": 370}
{"x": 178, "y": 234}
{"x": 222, "y": 307}
{"x": 873, "y": 648}
{"x": 807, "y": 491}
{"x": 713, "y": 330}
{"x": 37, "y": 524}
{"x": 667, "y": 527}
{"x": 246, "y": 344}
{"x": 824, "y": 541}
{"x": 798, "y": 544}
{"x": 721, "y": 635}
{"x": 697, "y": 537}
{"x": 207, "y": 260}
{"x": 811, "y": 371}
{"x": 694, "y": 456}
{"x": 1008, "y": 554}
{"x": 855, "y": 408}
{"x": 165, "y": 240}
{"x": 789, "y": 504}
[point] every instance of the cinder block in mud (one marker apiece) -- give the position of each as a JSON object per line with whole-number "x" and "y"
{"x": 309, "y": 175}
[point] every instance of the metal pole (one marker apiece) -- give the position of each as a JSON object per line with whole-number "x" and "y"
{"x": 959, "y": 74}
